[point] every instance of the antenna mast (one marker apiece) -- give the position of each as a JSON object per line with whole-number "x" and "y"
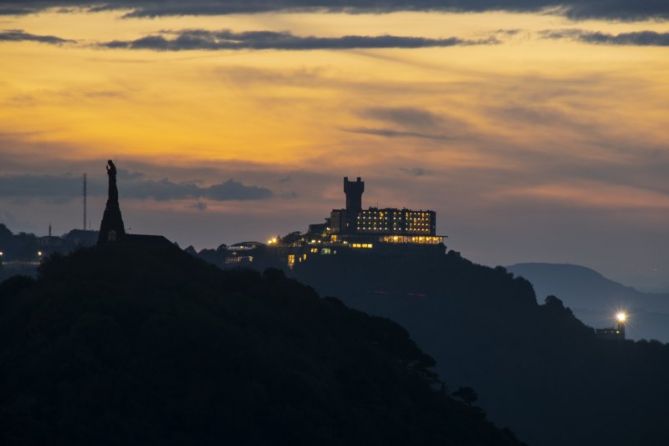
{"x": 85, "y": 196}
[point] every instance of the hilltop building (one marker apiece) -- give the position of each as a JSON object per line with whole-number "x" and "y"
{"x": 387, "y": 225}
{"x": 349, "y": 231}
{"x": 616, "y": 333}
{"x": 611, "y": 333}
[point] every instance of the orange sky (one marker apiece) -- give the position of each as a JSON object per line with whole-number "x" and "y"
{"x": 554, "y": 131}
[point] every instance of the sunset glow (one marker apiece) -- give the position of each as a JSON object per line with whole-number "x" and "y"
{"x": 527, "y": 138}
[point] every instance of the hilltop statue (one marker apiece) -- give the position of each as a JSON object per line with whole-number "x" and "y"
{"x": 111, "y": 228}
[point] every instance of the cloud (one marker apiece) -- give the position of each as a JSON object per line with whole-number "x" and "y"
{"x": 198, "y": 39}
{"x": 405, "y": 116}
{"x": 576, "y": 9}
{"x": 639, "y": 38}
{"x": 17, "y": 35}
{"x": 234, "y": 190}
{"x": 414, "y": 171}
{"x": 535, "y": 116}
{"x": 393, "y": 133}
{"x": 43, "y": 186}
{"x": 410, "y": 122}
{"x": 609, "y": 196}
{"x": 132, "y": 185}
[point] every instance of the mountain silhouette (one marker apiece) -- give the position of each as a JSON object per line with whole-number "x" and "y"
{"x": 595, "y": 298}
{"x": 535, "y": 366}
{"x": 132, "y": 343}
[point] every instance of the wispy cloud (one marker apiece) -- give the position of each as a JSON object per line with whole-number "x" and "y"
{"x": 199, "y": 39}
{"x": 410, "y": 122}
{"x": 393, "y": 133}
{"x": 414, "y": 171}
{"x": 638, "y": 38}
{"x": 410, "y": 117}
{"x": 17, "y": 35}
{"x": 134, "y": 185}
{"x": 577, "y": 9}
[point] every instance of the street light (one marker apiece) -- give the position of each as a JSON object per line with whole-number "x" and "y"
{"x": 621, "y": 317}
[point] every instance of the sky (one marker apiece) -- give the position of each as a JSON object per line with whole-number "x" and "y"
{"x": 536, "y": 129}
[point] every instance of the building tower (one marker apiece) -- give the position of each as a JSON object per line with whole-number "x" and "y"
{"x": 111, "y": 228}
{"x": 353, "y": 191}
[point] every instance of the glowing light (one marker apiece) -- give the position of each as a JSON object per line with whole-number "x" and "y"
{"x": 273, "y": 241}
{"x": 40, "y": 253}
{"x": 621, "y": 317}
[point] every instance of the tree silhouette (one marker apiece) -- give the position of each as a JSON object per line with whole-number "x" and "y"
{"x": 467, "y": 395}
{"x": 147, "y": 345}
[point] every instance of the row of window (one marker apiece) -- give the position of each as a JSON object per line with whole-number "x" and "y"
{"x": 425, "y": 229}
{"x": 406, "y": 217}
{"x": 414, "y": 239}
{"x": 362, "y": 245}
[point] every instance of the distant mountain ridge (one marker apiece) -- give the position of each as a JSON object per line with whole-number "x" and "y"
{"x": 595, "y": 298}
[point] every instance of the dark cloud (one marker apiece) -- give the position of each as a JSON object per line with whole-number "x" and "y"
{"x": 535, "y": 115}
{"x": 640, "y": 38}
{"x": 577, "y": 9}
{"x": 405, "y": 116}
{"x": 48, "y": 187}
{"x": 233, "y": 190}
{"x": 547, "y": 116}
{"x": 411, "y": 122}
{"x": 133, "y": 185}
{"x": 509, "y": 32}
{"x": 17, "y": 35}
{"x": 394, "y": 133}
{"x": 198, "y": 39}
{"x": 414, "y": 171}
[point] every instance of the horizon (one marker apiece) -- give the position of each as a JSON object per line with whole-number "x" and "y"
{"x": 537, "y": 135}
{"x": 95, "y": 228}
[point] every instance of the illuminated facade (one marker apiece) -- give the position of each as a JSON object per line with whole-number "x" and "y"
{"x": 391, "y": 221}
{"x": 408, "y": 225}
{"x": 395, "y": 221}
{"x": 417, "y": 239}
{"x": 352, "y": 231}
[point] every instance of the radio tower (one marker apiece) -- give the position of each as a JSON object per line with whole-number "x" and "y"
{"x": 85, "y": 196}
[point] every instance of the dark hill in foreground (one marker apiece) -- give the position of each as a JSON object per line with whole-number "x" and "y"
{"x": 537, "y": 367}
{"x": 117, "y": 345}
